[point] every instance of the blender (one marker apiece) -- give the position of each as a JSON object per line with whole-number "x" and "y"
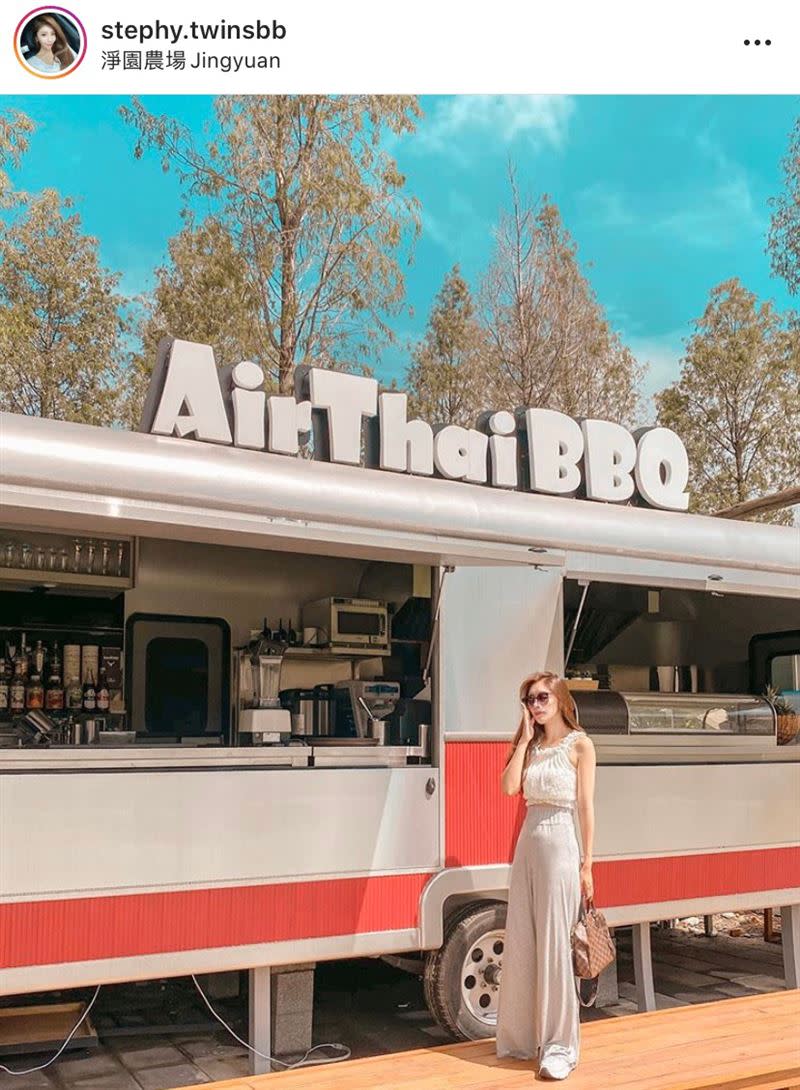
{"x": 261, "y": 718}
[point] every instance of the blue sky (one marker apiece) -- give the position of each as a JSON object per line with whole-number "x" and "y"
{"x": 665, "y": 196}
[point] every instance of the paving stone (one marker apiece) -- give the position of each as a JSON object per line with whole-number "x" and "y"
{"x": 169, "y": 1078}
{"x": 119, "y": 1080}
{"x": 735, "y": 990}
{"x": 38, "y": 1080}
{"x": 138, "y": 1059}
{"x": 101, "y": 1063}
{"x": 760, "y": 983}
{"x": 233, "y": 1068}
{"x": 212, "y": 1048}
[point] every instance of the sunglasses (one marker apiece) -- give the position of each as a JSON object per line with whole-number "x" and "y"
{"x": 540, "y": 698}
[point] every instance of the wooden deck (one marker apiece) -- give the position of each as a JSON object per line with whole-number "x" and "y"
{"x": 748, "y": 1043}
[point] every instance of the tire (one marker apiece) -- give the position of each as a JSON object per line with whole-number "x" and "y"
{"x": 462, "y": 977}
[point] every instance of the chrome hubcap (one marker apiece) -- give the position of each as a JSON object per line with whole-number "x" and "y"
{"x": 480, "y": 977}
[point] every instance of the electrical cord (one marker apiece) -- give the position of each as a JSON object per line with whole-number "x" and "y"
{"x": 272, "y": 1059}
{"x": 73, "y": 1031}
{"x": 304, "y": 1062}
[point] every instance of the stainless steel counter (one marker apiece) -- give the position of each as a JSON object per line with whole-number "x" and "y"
{"x": 60, "y": 758}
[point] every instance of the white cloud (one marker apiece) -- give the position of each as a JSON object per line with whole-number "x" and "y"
{"x": 712, "y": 213}
{"x": 543, "y": 119}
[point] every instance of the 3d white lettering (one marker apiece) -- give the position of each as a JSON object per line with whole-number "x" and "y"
{"x": 347, "y": 399}
{"x": 248, "y": 400}
{"x": 609, "y": 461}
{"x": 286, "y": 419}
{"x": 662, "y": 469}
{"x": 477, "y": 448}
{"x": 555, "y": 447}
{"x": 190, "y": 398}
{"x": 451, "y": 452}
{"x": 405, "y": 445}
{"x": 192, "y": 381}
{"x": 503, "y": 450}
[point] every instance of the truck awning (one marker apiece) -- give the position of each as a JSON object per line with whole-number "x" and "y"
{"x": 60, "y": 474}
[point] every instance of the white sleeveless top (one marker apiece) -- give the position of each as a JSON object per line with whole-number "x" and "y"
{"x": 550, "y": 777}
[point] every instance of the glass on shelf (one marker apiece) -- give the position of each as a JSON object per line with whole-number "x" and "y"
{"x": 9, "y": 553}
{"x": 120, "y": 558}
{"x": 41, "y": 557}
{"x": 52, "y": 558}
{"x": 77, "y": 549}
{"x": 63, "y": 560}
{"x": 26, "y": 555}
{"x": 104, "y": 561}
{"x": 90, "y": 551}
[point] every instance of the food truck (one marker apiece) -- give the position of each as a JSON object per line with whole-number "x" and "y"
{"x": 261, "y": 672}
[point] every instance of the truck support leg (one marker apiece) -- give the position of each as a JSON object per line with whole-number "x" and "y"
{"x": 260, "y": 1019}
{"x": 790, "y": 938}
{"x": 643, "y": 967}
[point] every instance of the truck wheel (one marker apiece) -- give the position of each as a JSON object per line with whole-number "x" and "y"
{"x": 462, "y": 977}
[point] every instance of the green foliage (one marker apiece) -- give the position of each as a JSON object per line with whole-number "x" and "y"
{"x": 444, "y": 380}
{"x": 736, "y": 404}
{"x": 549, "y": 343}
{"x": 15, "y": 129}
{"x": 60, "y": 318}
{"x": 308, "y": 213}
{"x": 778, "y": 701}
{"x": 784, "y": 234}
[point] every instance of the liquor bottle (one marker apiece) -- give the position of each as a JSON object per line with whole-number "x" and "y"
{"x": 282, "y": 636}
{"x": 89, "y": 693}
{"x": 34, "y": 692}
{"x": 16, "y": 695}
{"x": 22, "y": 655}
{"x": 266, "y": 631}
{"x": 74, "y": 694}
{"x": 54, "y": 692}
{"x": 5, "y": 688}
{"x": 103, "y": 698}
{"x": 55, "y": 659}
{"x": 37, "y": 659}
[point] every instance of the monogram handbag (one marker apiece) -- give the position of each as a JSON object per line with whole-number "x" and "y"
{"x": 592, "y": 949}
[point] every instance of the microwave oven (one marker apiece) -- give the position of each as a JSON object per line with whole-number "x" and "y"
{"x": 358, "y": 625}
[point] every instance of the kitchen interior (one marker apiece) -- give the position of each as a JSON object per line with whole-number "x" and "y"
{"x": 691, "y": 663}
{"x": 303, "y": 660}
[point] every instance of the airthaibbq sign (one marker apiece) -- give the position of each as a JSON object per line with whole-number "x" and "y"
{"x": 533, "y": 449}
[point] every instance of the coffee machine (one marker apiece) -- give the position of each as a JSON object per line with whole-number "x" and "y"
{"x": 260, "y": 720}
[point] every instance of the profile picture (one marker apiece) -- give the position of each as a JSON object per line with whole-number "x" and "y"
{"x": 50, "y": 42}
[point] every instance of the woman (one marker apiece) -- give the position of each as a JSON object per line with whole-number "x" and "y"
{"x": 53, "y": 53}
{"x": 552, "y": 761}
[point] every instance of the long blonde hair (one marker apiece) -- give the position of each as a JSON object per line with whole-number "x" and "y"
{"x": 566, "y": 705}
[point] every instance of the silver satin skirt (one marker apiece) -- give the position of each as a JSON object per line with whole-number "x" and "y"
{"x": 538, "y": 1011}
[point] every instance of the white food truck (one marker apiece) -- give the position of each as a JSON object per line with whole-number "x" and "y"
{"x": 279, "y": 677}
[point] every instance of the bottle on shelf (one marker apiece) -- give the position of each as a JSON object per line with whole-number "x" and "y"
{"x": 5, "y": 688}
{"x": 54, "y": 691}
{"x": 34, "y": 691}
{"x": 103, "y": 696}
{"x": 16, "y": 690}
{"x": 37, "y": 660}
{"x": 89, "y": 693}
{"x": 16, "y": 693}
{"x": 74, "y": 694}
{"x": 282, "y": 636}
{"x": 22, "y": 657}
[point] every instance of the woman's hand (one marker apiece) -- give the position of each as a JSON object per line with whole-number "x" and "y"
{"x": 587, "y": 884}
{"x": 527, "y": 730}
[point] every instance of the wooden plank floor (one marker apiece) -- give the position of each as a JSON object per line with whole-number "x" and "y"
{"x": 739, "y": 1044}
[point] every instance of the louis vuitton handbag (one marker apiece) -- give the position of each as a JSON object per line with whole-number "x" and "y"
{"x": 592, "y": 950}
